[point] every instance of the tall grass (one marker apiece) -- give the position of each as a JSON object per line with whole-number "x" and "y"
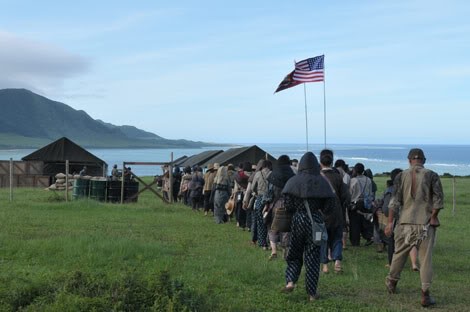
{"x": 85, "y": 255}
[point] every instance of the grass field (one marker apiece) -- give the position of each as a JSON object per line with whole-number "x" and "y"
{"x": 149, "y": 256}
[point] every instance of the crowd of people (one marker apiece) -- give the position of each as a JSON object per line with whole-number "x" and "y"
{"x": 310, "y": 209}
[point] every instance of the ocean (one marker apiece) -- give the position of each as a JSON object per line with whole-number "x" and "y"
{"x": 450, "y": 159}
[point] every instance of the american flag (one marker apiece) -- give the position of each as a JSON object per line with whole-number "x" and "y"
{"x": 310, "y": 70}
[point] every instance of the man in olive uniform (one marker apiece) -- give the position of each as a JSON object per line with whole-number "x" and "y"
{"x": 417, "y": 200}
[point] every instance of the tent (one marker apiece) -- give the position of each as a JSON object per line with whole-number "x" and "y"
{"x": 201, "y": 158}
{"x": 55, "y": 154}
{"x": 179, "y": 161}
{"x": 239, "y": 155}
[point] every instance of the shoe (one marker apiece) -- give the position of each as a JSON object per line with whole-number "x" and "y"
{"x": 313, "y": 298}
{"x": 426, "y": 299}
{"x": 368, "y": 243}
{"x": 391, "y": 286}
{"x": 272, "y": 257}
{"x": 288, "y": 289}
{"x": 415, "y": 269}
{"x": 338, "y": 268}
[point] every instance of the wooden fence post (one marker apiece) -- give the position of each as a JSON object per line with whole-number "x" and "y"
{"x": 66, "y": 180}
{"x": 453, "y": 196}
{"x": 170, "y": 178}
{"x": 11, "y": 179}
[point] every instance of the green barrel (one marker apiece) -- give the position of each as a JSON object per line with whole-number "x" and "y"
{"x": 98, "y": 189}
{"x": 130, "y": 191}
{"x": 80, "y": 188}
{"x": 114, "y": 191}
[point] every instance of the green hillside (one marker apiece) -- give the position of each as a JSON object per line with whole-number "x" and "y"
{"x": 29, "y": 120}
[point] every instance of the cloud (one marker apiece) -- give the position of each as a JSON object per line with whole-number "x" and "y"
{"x": 36, "y": 65}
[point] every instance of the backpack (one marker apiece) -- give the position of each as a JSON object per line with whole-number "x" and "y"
{"x": 364, "y": 203}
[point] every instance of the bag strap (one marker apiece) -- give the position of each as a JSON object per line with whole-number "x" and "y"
{"x": 309, "y": 215}
{"x": 363, "y": 188}
{"x": 329, "y": 182}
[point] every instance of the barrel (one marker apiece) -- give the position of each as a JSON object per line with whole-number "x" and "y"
{"x": 80, "y": 188}
{"x": 98, "y": 189}
{"x": 131, "y": 189}
{"x": 114, "y": 191}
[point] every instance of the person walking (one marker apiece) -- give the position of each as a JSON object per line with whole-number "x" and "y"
{"x": 419, "y": 197}
{"x": 241, "y": 184}
{"x": 195, "y": 187}
{"x": 278, "y": 178}
{"x": 306, "y": 190}
{"x": 222, "y": 193}
{"x": 184, "y": 190}
{"x": 361, "y": 192}
{"x": 334, "y": 224}
{"x": 260, "y": 188}
{"x": 248, "y": 204}
{"x": 209, "y": 178}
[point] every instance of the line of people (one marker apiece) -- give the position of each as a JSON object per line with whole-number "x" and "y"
{"x": 316, "y": 193}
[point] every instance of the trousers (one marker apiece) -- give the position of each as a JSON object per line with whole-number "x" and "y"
{"x": 407, "y": 236}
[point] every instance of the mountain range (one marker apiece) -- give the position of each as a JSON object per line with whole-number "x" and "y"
{"x": 29, "y": 120}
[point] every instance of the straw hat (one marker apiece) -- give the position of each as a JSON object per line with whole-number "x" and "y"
{"x": 229, "y": 206}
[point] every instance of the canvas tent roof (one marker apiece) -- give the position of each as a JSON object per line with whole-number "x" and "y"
{"x": 56, "y": 153}
{"x": 61, "y": 150}
{"x": 239, "y": 155}
{"x": 179, "y": 161}
{"x": 201, "y": 158}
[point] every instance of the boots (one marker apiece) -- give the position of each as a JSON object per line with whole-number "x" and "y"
{"x": 426, "y": 299}
{"x": 391, "y": 285}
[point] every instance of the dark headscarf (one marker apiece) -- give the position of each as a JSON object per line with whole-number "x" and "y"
{"x": 281, "y": 172}
{"x": 308, "y": 183}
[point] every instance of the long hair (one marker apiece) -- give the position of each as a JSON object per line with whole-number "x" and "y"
{"x": 222, "y": 176}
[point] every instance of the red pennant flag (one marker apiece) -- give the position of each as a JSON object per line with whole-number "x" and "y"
{"x": 288, "y": 82}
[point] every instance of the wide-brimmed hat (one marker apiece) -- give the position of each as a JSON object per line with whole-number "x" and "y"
{"x": 210, "y": 167}
{"x": 216, "y": 165}
{"x": 229, "y": 206}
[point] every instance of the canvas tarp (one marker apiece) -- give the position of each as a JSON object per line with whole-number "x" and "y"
{"x": 56, "y": 153}
{"x": 239, "y": 155}
{"x": 201, "y": 158}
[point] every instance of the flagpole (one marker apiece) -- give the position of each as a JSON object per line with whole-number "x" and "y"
{"x": 324, "y": 103}
{"x": 306, "y": 119}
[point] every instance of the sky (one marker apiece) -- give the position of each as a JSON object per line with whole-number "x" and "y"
{"x": 396, "y": 72}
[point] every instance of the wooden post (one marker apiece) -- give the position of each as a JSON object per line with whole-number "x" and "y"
{"x": 453, "y": 196}
{"x": 66, "y": 180}
{"x": 170, "y": 178}
{"x": 11, "y": 179}
{"x": 122, "y": 181}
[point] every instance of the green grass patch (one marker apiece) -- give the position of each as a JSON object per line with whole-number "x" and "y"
{"x": 149, "y": 256}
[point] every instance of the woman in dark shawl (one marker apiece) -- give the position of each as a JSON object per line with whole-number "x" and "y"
{"x": 308, "y": 185}
{"x": 278, "y": 178}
